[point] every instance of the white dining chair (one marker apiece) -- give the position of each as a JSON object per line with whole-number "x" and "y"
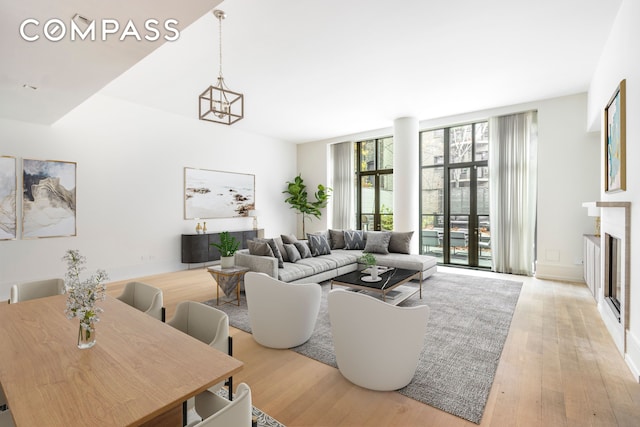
{"x": 211, "y": 326}
{"x": 144, "y": 297}
{"x": 281, "y": 315}
{"x": 36, "y": 289}
{"x": 377, "y": 345}
{"x": 6, "y": 420}
{"x": 220, "y": 412}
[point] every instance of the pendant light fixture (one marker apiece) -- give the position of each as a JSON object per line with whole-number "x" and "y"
{"x": 218, "y": 104}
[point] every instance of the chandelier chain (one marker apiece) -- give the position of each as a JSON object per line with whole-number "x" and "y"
{"x": 220, "y": 42}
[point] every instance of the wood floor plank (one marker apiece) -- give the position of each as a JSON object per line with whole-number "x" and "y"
{"x": 559, "y": 367}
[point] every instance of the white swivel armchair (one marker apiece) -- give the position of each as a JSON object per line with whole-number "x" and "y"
{"x": 38, "y": 289}
{"x": 206, "y": 324}
{"x": 220, "y": 412}
{"x": 282, "y": 315}
{"x": 145, "y": 298}
{"x": 377, "y": 344}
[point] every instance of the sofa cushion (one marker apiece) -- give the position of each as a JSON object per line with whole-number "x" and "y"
{"x": 353, "y": 239}
{"x": 292, "y": 252}
{"x": 296, "y": 271}
{"x": 337, "y": 239}
{"x": 400, "y": 242}
{"x": 410, "y": 262}
{"x": 320, "y": 263}
{"x": 319, "y": 244}
{"x": 378, "y": 242}
{"x": 303, "y": 248}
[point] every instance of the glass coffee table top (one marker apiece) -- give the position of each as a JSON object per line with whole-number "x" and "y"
{"x": 384, "y": 288}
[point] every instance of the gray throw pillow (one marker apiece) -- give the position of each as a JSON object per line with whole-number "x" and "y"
{"x": 259, "y": 248}
{"x": 288, "y": 238}
{"x": 318, "y": 244}
{"x": 303, "y": 248}
{"x": 274, "y": 248}
{"x": 337, "y": 239}
{"x": 378, "y": 242}
{"x": 400, "y": 242}
{"x": 353, "y": 239}
{"x": 280, "y": 245}
{"x": 292, "y": 252}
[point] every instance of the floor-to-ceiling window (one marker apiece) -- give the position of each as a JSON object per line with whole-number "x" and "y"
{"x": 374, "y": 170}
{"x": 454, "y": 194}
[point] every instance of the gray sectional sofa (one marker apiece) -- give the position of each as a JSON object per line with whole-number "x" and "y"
{"x": 342, "y": 259}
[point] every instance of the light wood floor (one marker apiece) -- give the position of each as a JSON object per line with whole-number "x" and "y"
{"x": 559, "y": 367}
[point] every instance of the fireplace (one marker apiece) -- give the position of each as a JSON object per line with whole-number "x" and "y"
{"x": 613, "y": 277}
{"x": 613, "y": 296}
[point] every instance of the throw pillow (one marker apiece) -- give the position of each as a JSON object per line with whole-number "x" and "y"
{"x": 259, "y": 248}
{"x": 280, "y": 245}
{"x": 318, "y": 244}
{"x": 400, "y": 242}
{"x": 292, "y": 252}
{"x": 274, "y": 248}
{"x": 378, "y": 242}
{"x": 337, "y": 239}
{"x": 353, "y": 239}
{"x": 288, "y": 238}
{"x": 303, "y": 248}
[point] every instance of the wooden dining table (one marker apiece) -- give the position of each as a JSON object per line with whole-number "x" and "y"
{"x": 139, "y": 372}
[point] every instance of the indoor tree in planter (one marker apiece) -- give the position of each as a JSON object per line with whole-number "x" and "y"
{"x": 299, "y": 199}
{"x": 228, "y": 246}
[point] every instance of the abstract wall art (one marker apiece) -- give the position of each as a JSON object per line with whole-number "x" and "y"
{"x": 216, "y": 194}
{"x": 8, "y": 191}
{"x": 48, "y": 199}
{"x": 615, "y": 141}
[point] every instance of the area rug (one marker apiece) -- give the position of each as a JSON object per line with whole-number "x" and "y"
{"x": 468, "y": 325}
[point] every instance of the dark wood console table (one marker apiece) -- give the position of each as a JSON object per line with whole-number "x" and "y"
{"x": 196, "y": 248}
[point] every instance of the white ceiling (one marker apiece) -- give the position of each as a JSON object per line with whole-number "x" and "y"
{"x": 313, "y": 70}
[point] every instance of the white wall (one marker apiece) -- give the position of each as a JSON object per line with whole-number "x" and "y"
{"x": 568, "y": 166}
{"x": 620, "y": 60}
{"x": 130, "y": 178}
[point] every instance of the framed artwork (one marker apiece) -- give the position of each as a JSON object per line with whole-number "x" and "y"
{"x": 8, "y": 191}
{"x": 615, "y": 165}
{"x": 216, "y": 194}
{"x": 48, "y": 198}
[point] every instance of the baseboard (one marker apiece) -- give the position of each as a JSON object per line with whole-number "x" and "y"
{"x": 632, "y": 357}
{"x": 567, "y": 273}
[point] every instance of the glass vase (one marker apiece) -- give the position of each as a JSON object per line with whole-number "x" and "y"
{"x": 86, "y": 334}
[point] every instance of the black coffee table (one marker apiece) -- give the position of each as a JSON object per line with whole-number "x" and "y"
{"x": 385, "y": 288}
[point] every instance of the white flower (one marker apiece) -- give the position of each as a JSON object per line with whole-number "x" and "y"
{"x": 83, "y": 295}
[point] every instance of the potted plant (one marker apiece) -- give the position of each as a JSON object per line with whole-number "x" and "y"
{"x": 298, "y": 199}
{"x": 228, "y": 246}
{"x": 369, "y": 260}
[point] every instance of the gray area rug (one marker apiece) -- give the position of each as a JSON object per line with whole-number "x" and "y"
{"x": 468, "y": 325}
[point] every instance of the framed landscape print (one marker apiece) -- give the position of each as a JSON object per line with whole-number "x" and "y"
{"x": 216, "y": 194}
{"x": 48, "y": 199}
{"x": 8, "y": 191}
{"x": 615, "y": 165}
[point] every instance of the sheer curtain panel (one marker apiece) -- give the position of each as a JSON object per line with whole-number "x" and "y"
{"x": 343, "y": 186}
{"x": 513, "y": 176}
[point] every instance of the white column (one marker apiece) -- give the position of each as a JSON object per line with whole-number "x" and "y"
{"x": 405, "y": 178}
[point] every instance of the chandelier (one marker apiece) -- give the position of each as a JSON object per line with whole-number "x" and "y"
{"x": 218, "y": 104}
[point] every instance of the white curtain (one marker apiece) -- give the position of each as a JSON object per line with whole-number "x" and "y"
{"x": 342, "y": 197}
{"x": 513, "y": 176}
